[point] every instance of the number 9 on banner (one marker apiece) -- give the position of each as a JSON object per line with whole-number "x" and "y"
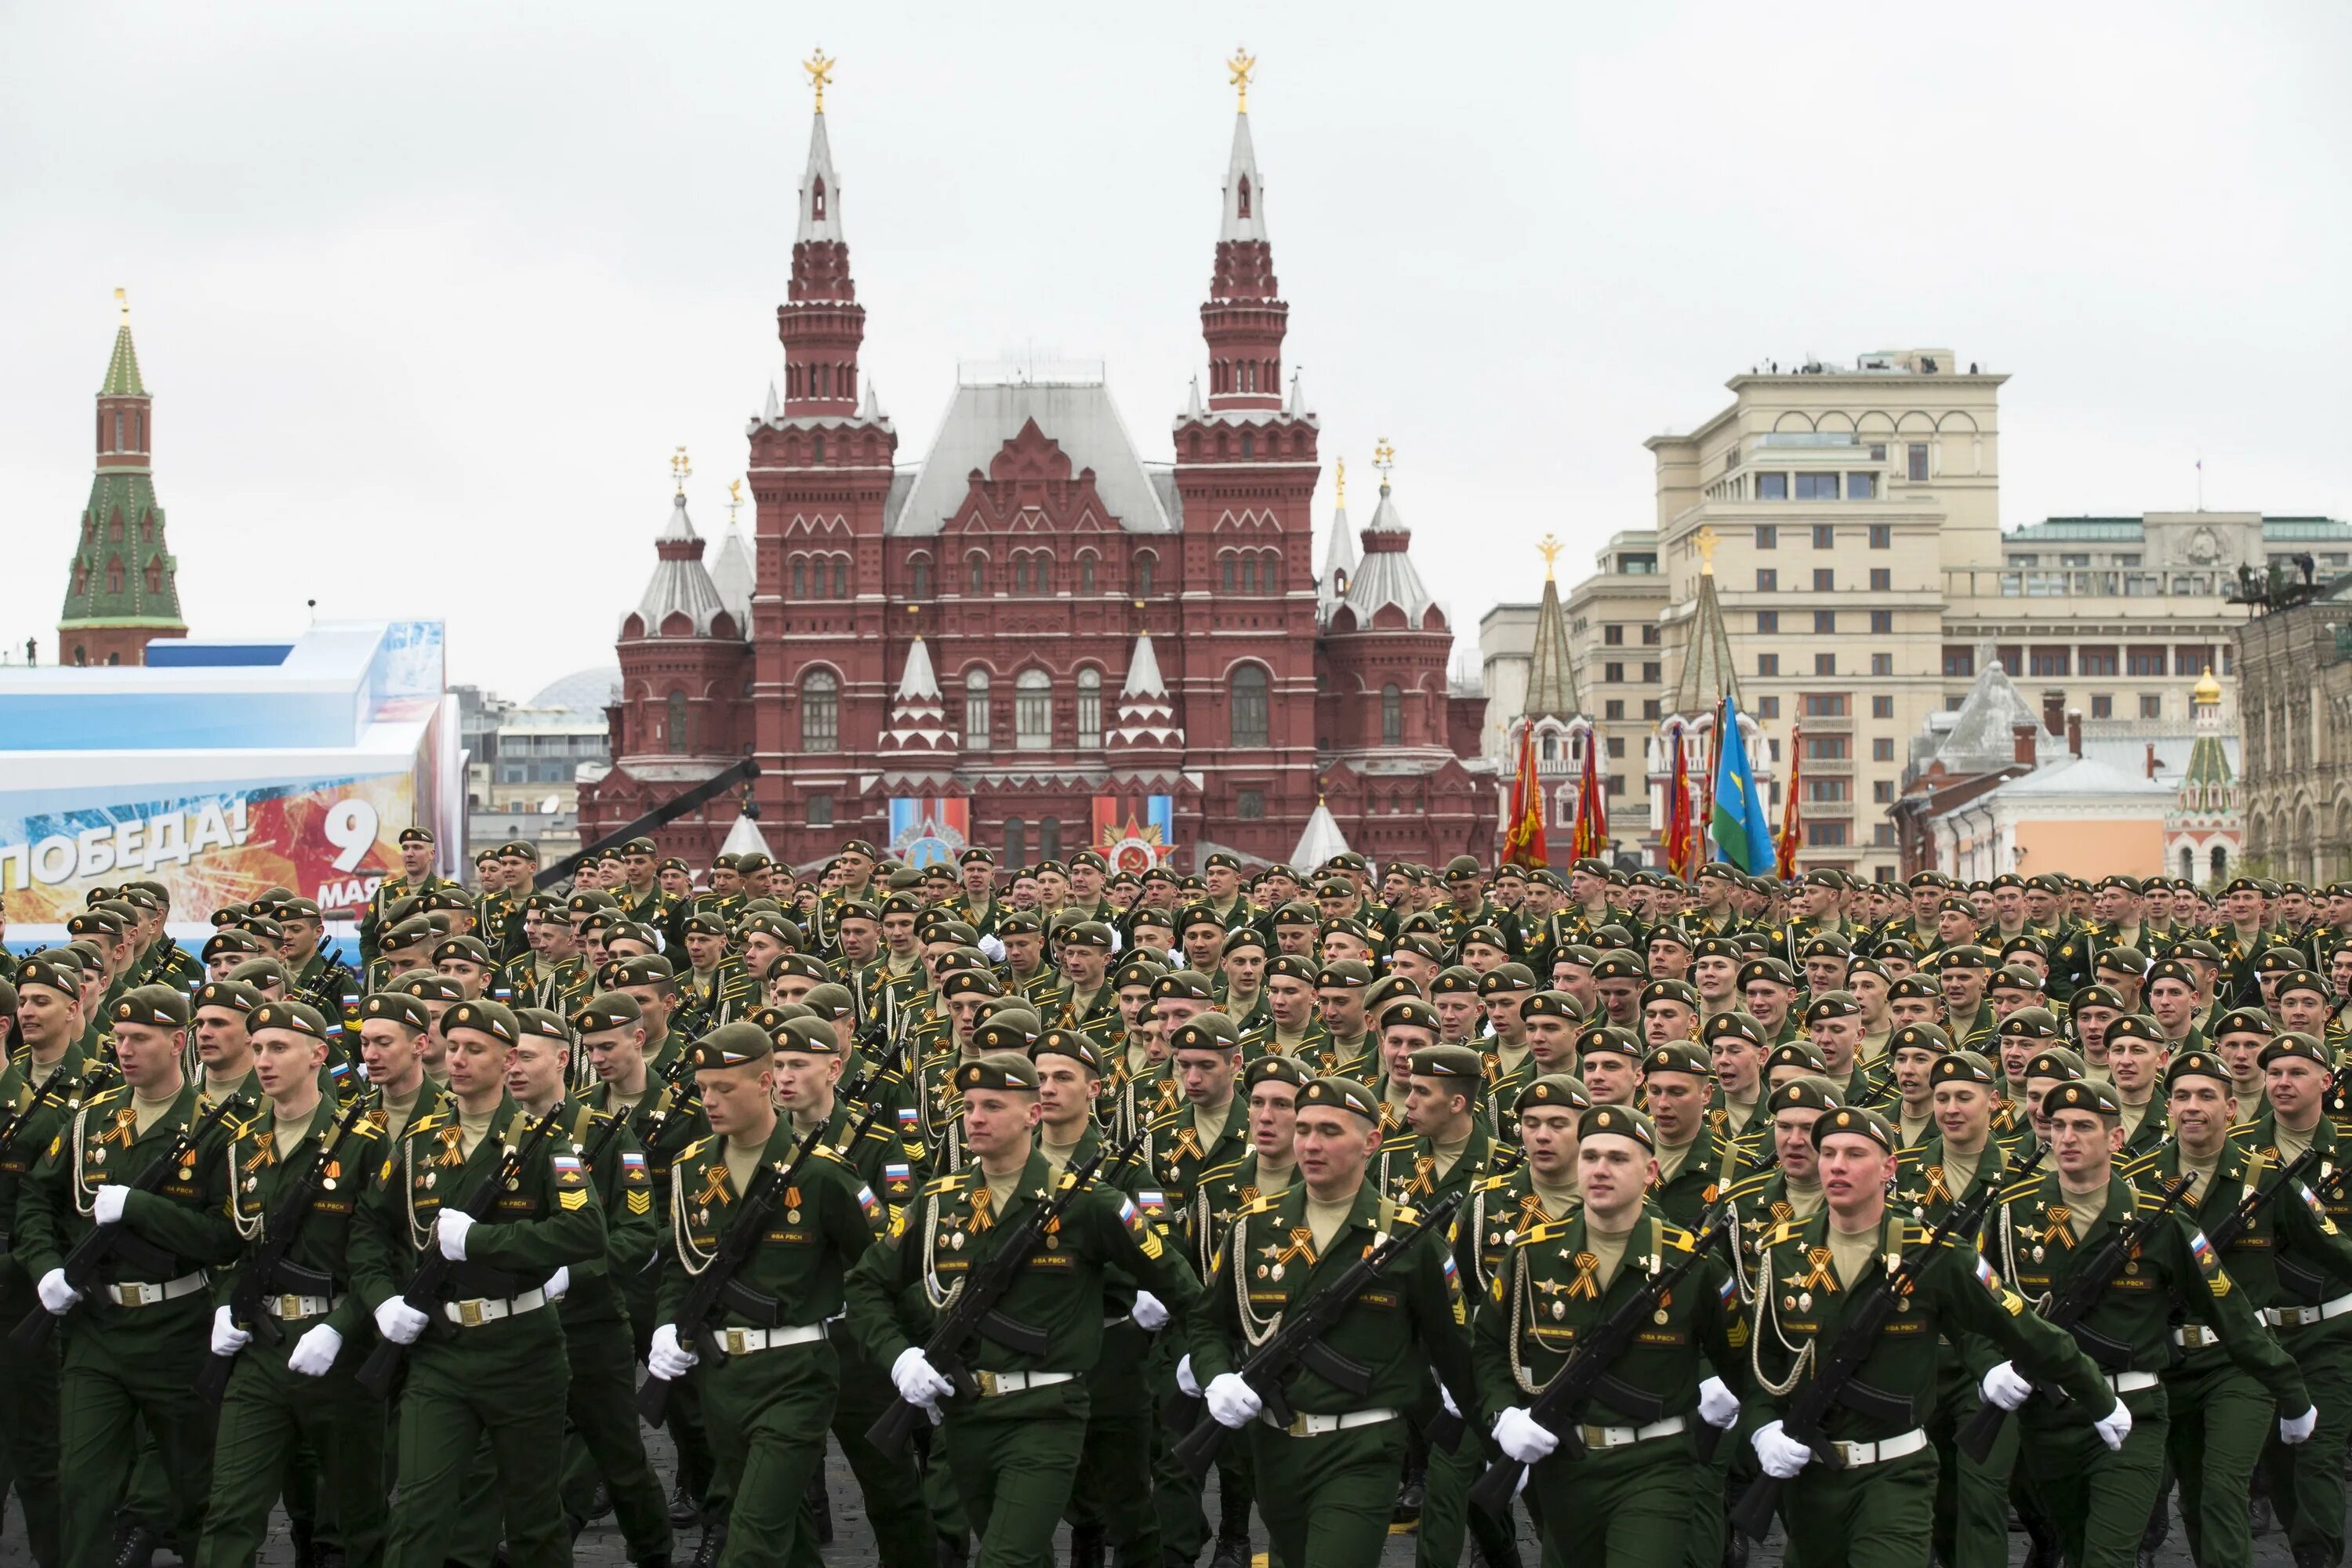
{"x": 350, "y": 829}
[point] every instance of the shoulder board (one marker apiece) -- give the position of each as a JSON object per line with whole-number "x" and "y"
{"x": 1179, "y": 1112}
{"x": 2243, "y": 1128}
{"x": 939, "y": 1184}
{"x": 693, "y": 1151}
{"x": 2139, "y": 1163}
{"x": 2016, "y": 1190}
{"x": 1262, "y": 1206}
{"x": 1494, "y": 1183}
{"x": 1746, "y": 1186}
{"x": 1918, "y": 1235}
{"x": 827, "y": 1152}
{"x": 1213, "y": 1173}
{"x": 1538, "y": 1235}
{"x": 365, "y": 1130}
{"x": 1677, "y": 1238}
{"x": 1787, "y": 1230}
{"x": 103, "y": 1095}
{"x": 248, "y": 1128}
{"x": 2150, "y": 1202}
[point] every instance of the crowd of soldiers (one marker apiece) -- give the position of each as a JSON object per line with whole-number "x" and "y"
{"x": 1657, "y": 1210}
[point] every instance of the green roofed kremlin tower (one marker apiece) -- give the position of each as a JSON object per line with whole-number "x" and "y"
{"x": 121, "y": 592}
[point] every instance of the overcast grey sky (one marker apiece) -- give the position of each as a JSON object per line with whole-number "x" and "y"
{"x": 427, "y": 293}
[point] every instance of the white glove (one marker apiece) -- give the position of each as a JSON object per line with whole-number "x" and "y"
{"x": 992, "y": 949}
{"x": 314, "y": 1353}
{"x": 1524, "y": 1437}
{"x": 558, "y": 1283}
{"x": 1185, "y": 1382}
{"x": 1781, "y": 1455}
{"x": 2005, "y": 1386}
{"x": 665, "y": 1358}
{"x": 1231, "y": 1401}
{"x": 454, "y": 1225}
{"x": 2116, "y": 1427}
{"x": 398, "y": 1321}
{"x": 1151, "y": 1312}
{"x": 916, "y": 1379}
{"x": 1718, "y": 1406}
{"x": 57, "y": 1295}
{"x": 2299, "y": 1429}
{"x": 106, "y": 1203}
{"x": 227, "y": 1338}
{"x": 1445, "y": 1397}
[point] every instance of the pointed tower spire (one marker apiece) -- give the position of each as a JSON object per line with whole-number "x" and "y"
{"x": 1146, "y": 719}
{"x": 680, "y": 599}
{"x": 1340, "y": 552}
{"x": 1552, "y": 677}
{"x": 1708, "y": 673}
{"x": 731, "y": 572}
{"x": 1244, "y": 317}
{"x": 1387, "y": 577}
{"x": 123, "y": 590}
{"x": 918, "y": 714}
{"x": 821, "y": 323}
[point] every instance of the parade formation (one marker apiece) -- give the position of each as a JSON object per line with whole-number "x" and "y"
{"x": 1664, "y": 1213}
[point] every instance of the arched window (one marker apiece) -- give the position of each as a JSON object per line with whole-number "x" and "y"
{"x": 819, "y": 711}
{"x": 919, "y": 569}
{"x": 818, "y": 455}
{"x": 1017, "y": 843}
{"x": 118, "y": 429}
{"x": 1033, "y": 712}
{"x": 1049, "y": 838}
{"x": 2220, "y": 861}
{"x": 114, "y": 573}
{"x": 1021, "y": 573}
{"x": 1227, "y": 573}
{"x": 154, "y": 573}
{"x": 1249, "y": 444}
{"x": 1249, "y": 573}
{"x": 1242, "y": 197}
{"x": 977, "y": 565}
{"x": 114, "y": 527}
{"x": 1086, "y": 574}
{"x": 2188, "y": 862}
{"x": 841, "y": 576}
{"x": 817, "y": 199}
{"x": 139, "y": 424}
{"x": 676, "y": 729}
{"x": 1089, "y": 708}
{"x": 1247, "y": 705}
{"x": 799, "y": 577}
{"x": 1144, "y": 563}
{"x": 975, "y": 712}
{"x": 1549, "y": 751}
{"x": 1391, "y": 715}
{"x": 1044, "y": 571}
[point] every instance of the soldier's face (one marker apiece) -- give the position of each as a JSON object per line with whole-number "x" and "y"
{"x": 1273, "y": 1116}
{"x": 1333, "y": 1146}
{"x": 2244, "y": 907}
{"x": 416, "y": 860}
{"x": 389, "y": 1050}
{"x": 1837, "y": 1038}
{"x": 1825, "y": 973}
{"x": 616, "y": 1055}
{"x": 1856, "y": 1172}
{"x": 535, "y": 1068}
{"x": 1243, "y": 967}
{"x": 803, "y": 1082}
{"x": 1548, "y": 1138}
{"x": 1664, "y": 1020}
{"x": 286, "y": 1060}
{"x": 2298, "y": 1089}
{"x": 2302, "y": 1010}
{"x": 1086, "y": 884}
{"x": 1343, "y": 1011}
{"x": 1502, "y": 1014}
{"x": 2202, "y": 1110}
{"x": 704, "y": 950}
{"x": 466, "y": 973}
{"x": 996, "y": 1122}
{"x": 1609, "y": 1077}
{"x": 1066, "y": 1090}
{"x": 1963, "y": 1113}
{"x": 977, "y": 877}
{"x": 221, "y": 1041}
{"x": 477, "y": 1063}
{"x": 1963, "y": 991}
{"x": 641, "y": 869}
{"x": 1678, "y": 1102}
{"x": 1612, "y": 1172}
{"x": 149, "y": 1058}
{"x": 1207, "y": 1075}
{"x": 2081, "y": 1143}
{"x": 737, "y": 1099}
{"x": 2171, "y": 1002}
{"x": 1912, "y": 1010}
{"x": 1714, "y": 975}
{"x": 1432, "y": 1108}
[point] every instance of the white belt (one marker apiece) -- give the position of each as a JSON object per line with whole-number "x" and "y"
{"x": 1624, "y": 1436}
{"x": 2304, "y": 1316}
{"x": 1114, "y": 1323}
{"x": 2195, "y": 1336}
{"x": 2131, "y": 1382}
{"x": 293, "y": 1309}
{"x": 748, "y": 1342}
{"x": 475, "y": 1311}
{"x": 1318, "y": 1425}
{"x": 1897, "y": 1447}
{"x": 993, "y": 1383}
{"x": 132, "y": 1293}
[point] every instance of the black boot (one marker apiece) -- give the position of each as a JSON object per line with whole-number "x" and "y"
{"x": 134, "y": 1546}
{"x": 2040, "y": 1546}
{"x": 952, "y": 1549}
{"x": 600, "y": 1502}
{"x": 303, "y": 1534}
{"x": 658, "y": 1560}
{"x": 575, "y": 1524}
{"x": 1409, "y": 1495}
{"x": 2312, "y": 1555}
{"x": 1087, "y": 1545}
{"x": 821, "y": 1505}
{"x": 684, "y": 1510}
{"x": 330, "y": 1557}
{"x": 706, "y": 1550}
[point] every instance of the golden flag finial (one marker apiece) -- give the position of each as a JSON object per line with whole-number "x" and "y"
{"x": 1241, "y": 66}
{"x": 680, "y": 470}
{"x": 122, "y": 297}
{"x": 1550, "y": 548}
{"x": 1384, "y": 460}
{"x": 1340, "y": 481}
{"x": 734, "y": 499}
{"x": 820, "y": 72}
{"x": 1707, "y": 542}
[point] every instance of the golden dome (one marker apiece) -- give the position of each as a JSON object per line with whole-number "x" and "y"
{"x": 2209, "y": 691}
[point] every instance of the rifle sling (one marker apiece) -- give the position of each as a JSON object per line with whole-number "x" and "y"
{"x": 1333, "y": 1368}
{"x": 1615, "y": 1392}
{"x": 1876, "y": 1404}
{"x": 1012, "y": 1334}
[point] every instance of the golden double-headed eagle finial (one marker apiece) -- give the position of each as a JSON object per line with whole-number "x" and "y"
{"x": 680, "y": 470}
{"x": 1550, "y": 548}
{"x": 1241, "y": 66}
{"x": 1705, "y": 541}
{"x": 819, "y": 67}
{"x": 1384, "y": 460}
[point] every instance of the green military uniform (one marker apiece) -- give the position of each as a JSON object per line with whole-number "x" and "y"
{"x": 374, "y": 920}
{"x": 130, "y": 1350}
{"x": 484, "y": 1365}
{"x": 268, "y": 1406}
{"x": 1013, "y": 1449}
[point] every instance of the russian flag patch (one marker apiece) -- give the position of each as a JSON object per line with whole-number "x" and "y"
{"x": 2202, "y": 1250}
{"x": 867, "y": 1201}
{"x": 907, "y": 1115}
{"x": 567, "y": 1164}
{"x": 633, "y": 1161}
{"x": 1987, "y": 1278}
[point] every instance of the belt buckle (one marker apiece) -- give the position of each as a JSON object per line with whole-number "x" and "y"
{"x": 1594, "y": 1436}
{"x": 1298, "y": 1427}
{"x": 986, "y": 1383}
{"x": 1849, "y": 1452}
{"x": 137, "y": 1293}
{"x": 289, "y": 1306}
{"x": 736, "y": 1344}
{"x": 469, "y": 1313}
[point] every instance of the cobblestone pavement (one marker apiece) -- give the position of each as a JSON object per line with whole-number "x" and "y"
{"x": 853, "y": 1544}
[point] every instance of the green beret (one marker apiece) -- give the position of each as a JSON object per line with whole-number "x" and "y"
{"x": 1001, "y": 1070}
{"x": 159, "y": 1006}
{"x": 1191, "y": 985}
{"x": 1210, "y": 1031}
{"x": 1144, "y": 972}
{"x": 1344, "y": 1093}
{"x": 2017, "y": 977}
{"x": 2296, "y": 1044}
{"x": 608, "y": 1010}
{"x": 1719, "y": 947}
{"x": 1075, "y": 1043}
{"x": 1457, "y": 980}
{"x": 733, "y": 1045}
{"x": 806, "y": 1037}
{"x": 644, "y": 969}
{"x": 2173, "y": 968}
{"x": 1620, "y": 966}
{"x": 1918, "y": 1038}
{"x": 1412, "y": 1013}
{"x": 1623, "y": 1121}
{"x": 1769, "y": 969}
{"x": 970, "y": 983}
{"x": 402, "y": 1007}
{"x": 1915, "y": 988}
{"x": 259, "y": 971}
{"x": 1829, "y": 945}
{"x": 2195, "y": 1064}
{"x": 297, "y": 1016}
{"x": 2030, "y": 1024}
{"x": 2105, "y": 997}
{"x": 1797, "y": 1054}
{"x": 1967, "y": 955}
{"x": 1087, "y": 934}
{"x": 1681, "y": 991}
{"x": 1832, "y": 1005}
{"x": 1677, "y": 1056}
{"x": 2300, "y": 979}
{"x": 2055, "y": 1061}
{"x": 1003, "y": 1034}
{"x": 491, "y": 1018}
{"x": 1558, "y": 1089}
{"x": 2133, "y": 1027}
{"x": 233, "y": 994}
{"x": 1608, "y": 1037}
{"x": 1736, "y": 1023}
{"x": 2080, "y": 1095}
{"x": 1292, "y": 966}
{"x": 1858, "y": 1121}
{"x": 1803, "y": 1094}
{"x": 429, "y": 986}
{"x": 2244, "y": 1021}
{"x": 1465, "y": 1067}
{"x": 705, "y": 924}
{"x": 1963, "y": 1067}
{"x": 542, "y": 1023}
{"x": 1344, "y": 974}
{"x": 1551, "y": 1005}
{"x": 1286, "y": 1069}
{"x": 224, "y": 944}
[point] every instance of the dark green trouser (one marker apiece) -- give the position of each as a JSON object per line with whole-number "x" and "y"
{"x": 1327, "y": 1500}
{"x": 1446, "y": 1515}
{"x": 892, "y": 1489}
{"x": 125, "y": 1367}
{"x": 266, "y": 1411}
{"x": 2219, "y": 1419}
{"x": 1114, "y": 1485}
{"x": 28, "y": 1417}
{"x": 2306, "y": 1482}
{"x": 1619, "y": 1508}
{"x": 767, "y": 1414}
{"x": 2097, "y": 1501}
{"x": 683, "y": 1419}
{"x": 602, "y": 1407}
{"x": 1183, "y": 1528}
{"x": 1971, "y": 1496}
{"x": 1013, "y": 1467}
{"x": 505, "y": 1382}
{"x": 1872, "y": 1516}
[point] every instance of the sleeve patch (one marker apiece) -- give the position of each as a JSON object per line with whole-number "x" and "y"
{"x": 573, "y": 1200}
{"x": 868, "y": 1202}
{"x": 2202, "y": 1250}
{"x": 640, "y": 1203}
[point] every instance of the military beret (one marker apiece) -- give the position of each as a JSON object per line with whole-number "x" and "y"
{"x": 1719, "y": 947}
{"x": 1144, "y": 972}
{"x": 1677, "y": 1056}
{"x": 807, "y": 965}
{"x": 704, "y": 923}
{"x": 1618, "y": 1121}
{"x": 1832, "y": 1005}
{"x": 1740, "y": 1024}
{"x": 2080, "y": 1095}
{"x": 739, "y": 1044}
{"x": 951, "y": 930}
{"x": 1454, "y": 980}
{"x": 1556, "y": 1089}
{"x": 830, "y": 1000}
{"x": 1611, "y": 938}
{"x": 464, "y": 950}
{"x": 1856, "y": 1121}
{"x": 1020, "y": 924}
{"x": 415, "y": 835}
{"x": 1963, "y": 1067}
{"x": 1681, "y": 991}
{"x": 235, "y": 940}
{"x": 643, "y": 969}
{"x": 1389, "y": 988}
{"x": 1894, "y": 948}
{"x": 1191, "y": 984}
{"x": 542, "y": 1023}
{"x": 2030, "y": 1024}
{"x": 492, "y": 1019}
{"x": 1551, "y": 1005}
{"x": 1861, "y": 966}
{"x": 1796, "y": 1054}
{"x": 2017, "y": 977}
{"x": 427, "y": 986}
{"x": 1342, "y": 1094}
{"x": 1829, "y": 945}
{"x": 2133, "y": 1027}
{"x": 2195, "y": 947}
{"x": 608, "y": 1010}
{"x": 1956, "y": 906}
{"x": 2243, "y": 1021}
{"x": 402, "y": 1008}
{"x": 1673, "y": 934}
{"x": 1412, "y": 1013}
{"x": 1608, "y": 1037}
{"x": 2301, "y": 980}
{"x": 1292, "y": 966}
{"x": 2122, "y": 961}
{"x": 1420, "y": 943}
{"x": 1966, "y": 955}
{"x": 2195, "y": 1064}
{"x": 2296, "y": 1044}
{"x": 1206, "y": 1031}
{"x": 1073, "y": 1043}
{"x": 1620, "y": 966}
{"x": 970, "y": 983}
{"x": 805, "y": 1037}
{"x": 262, "y": 971}
{"x": 1915, "y": 988}
{"x": 96, "y": 923}
{"x": 158, "y": 1007}
{"x": 1459, "y": 1064}
{"x": 1507, "y": 977}
{"x": 2243, "y": 885}
{"x": 233, "y": 994}
{"x": 2055, "y": 1061}
{"x": 2105, "y": 997}
{"x": 1807, "y": 1093}
{"x": 1344, "y": 974}
{"x": 447, "y": 899}
{"x": 1008, "y": 1028}
{"x": 1918, "y": 1038}
{"x": 1767, "y": 969}
{"x": 1285, "y": 1068}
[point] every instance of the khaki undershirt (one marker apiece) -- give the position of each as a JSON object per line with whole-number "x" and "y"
{"x": 38, "y": 1073}
{"x": 1393, "y": 1093}
{"x": 2250, "y": 1106}
{"x": 218, "y": 1089}
{"x": 1324, "y": 1220}
{"x": 149, "y": 1112}
{"x": 2291, "y": 1143}
{"x": 1670, "y": 1159}
{"x": 1850, "y": 1253}
{"x": 1873, "y": 1049}
{"x": 2082, "y": 1209}
{"x": 1058, "y": 1155}
{"x": 1448, "y": 1154}
{"x": 2096, "y": 1072}
{"x": 1960, "y": 1170}
{"x": 1804, "y": 1202}
{"x": 743, "y": 1162}
{"x": 1209, "y": 1122}
{"x": 1273, "y": 1179}
{"x": 288, "y": 1134}
{"x": 1348, "y": 1050}
{"x": 1287, "y": 1043}
{"x": 2134, "y": 1115}
{"x": 472, "y": 1130}
{"x": 397, "y": 1112}
{"x": 2200, "y": 1173}
{"x": 1608, "y": 1247}
{"x": 1738, "y": 1113}
{"x": 1911, "y": 1129}
{"x": 1556, "y": 1200}
{"x": 999, "y": 1188}
{"x": 1510, "y": 1056}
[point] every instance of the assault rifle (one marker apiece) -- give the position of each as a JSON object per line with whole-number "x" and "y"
{"x": 1298, "y": 1345}
{"x": 425, "y": 1285}
{"x": 92, "y": 1251}
{"x": 974, "y": 1312}
{"x": 2072, "y": 1301}
{"x": 715, "y": 1285}
{"x": 49, "y": 1092}
{"x": 272, "y": 1270}
{"x": 1864, "y": 1316}
{"x": 1587, "y": 1372}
